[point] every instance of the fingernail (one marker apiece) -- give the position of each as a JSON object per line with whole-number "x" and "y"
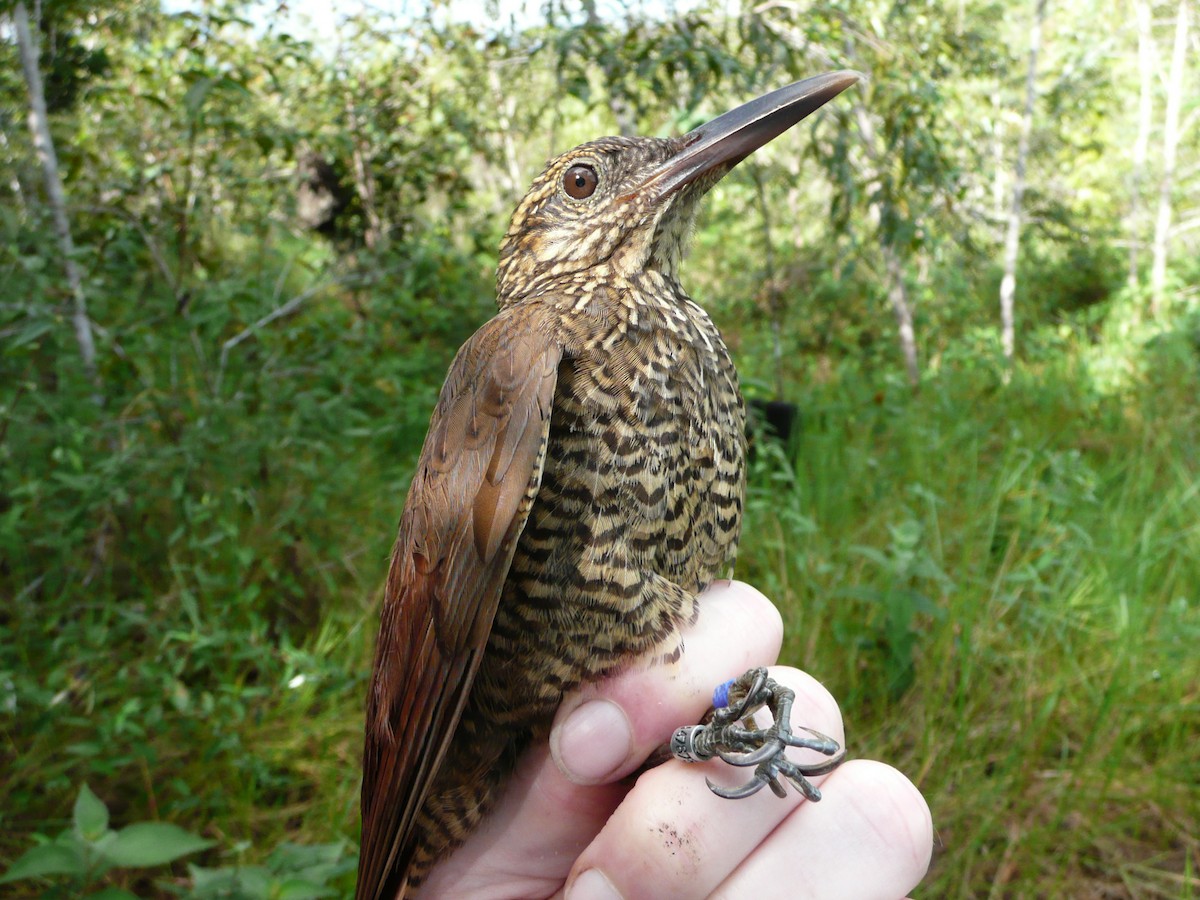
{"x": 592, "y": 885}
{"x": 593, "y": 742}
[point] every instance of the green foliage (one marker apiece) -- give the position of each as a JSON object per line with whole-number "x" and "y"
{"x": 90, "y": 851}
{"x": 291, "y": 872}
{"x": 87, "y": 851}
{"x": 996, "y": 575}
{"x": 197, "y": 503}
{"x": 998, "y": 581}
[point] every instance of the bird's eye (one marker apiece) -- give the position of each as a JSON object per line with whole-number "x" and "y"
{"x": 580, "y": 182}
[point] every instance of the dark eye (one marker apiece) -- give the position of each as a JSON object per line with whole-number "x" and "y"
{"x": 580, "y": 182}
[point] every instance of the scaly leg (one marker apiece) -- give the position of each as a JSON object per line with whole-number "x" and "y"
{"x": 730, "y": 734}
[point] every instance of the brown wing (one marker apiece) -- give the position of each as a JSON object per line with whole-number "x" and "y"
{"x": 479, "y": 470}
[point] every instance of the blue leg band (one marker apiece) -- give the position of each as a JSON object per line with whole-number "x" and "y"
{"x": 721, "y": 694}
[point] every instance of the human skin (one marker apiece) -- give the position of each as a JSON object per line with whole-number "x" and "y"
{"x": 571, "y": 823}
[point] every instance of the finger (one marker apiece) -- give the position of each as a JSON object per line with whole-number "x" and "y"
{"x": 526, "y": 845}
{"x": 672, "y": 837}
{"x": 738, "y": 629}
{"x": 871, "y": 836}
{"x": 546, "y": 816}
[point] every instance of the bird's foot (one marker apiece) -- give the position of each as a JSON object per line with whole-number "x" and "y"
{"x": 731, "y": 734}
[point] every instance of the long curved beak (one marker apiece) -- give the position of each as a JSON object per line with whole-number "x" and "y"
{"x": 731, "y": 137}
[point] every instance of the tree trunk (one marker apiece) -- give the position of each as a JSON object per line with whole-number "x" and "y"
{"x": 998, "y": 173}
{"x": 364, "y": 179}
{"x": 14, "y": 184}
{"x": 505, "y": 107}
{"x": 902, "y": 309}
{"x": 774, "y": 299}
{"x": 1012, "y": 240}
{"x": 897, "y": 289}
{"x": 1145, "y": 56}
{"x": 39, "y": 127}
{"x": 1162, "y": 225}
{"x": 618, "y": 103}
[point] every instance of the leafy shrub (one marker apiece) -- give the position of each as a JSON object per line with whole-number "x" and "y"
{"x": 86, "y": 852}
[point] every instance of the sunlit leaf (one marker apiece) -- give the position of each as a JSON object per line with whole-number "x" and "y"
{"x": 48, "y": 859}
{"x": 197, "y": 93}
{"x": 152, "y": 844}
{"x": 91, "y": 815}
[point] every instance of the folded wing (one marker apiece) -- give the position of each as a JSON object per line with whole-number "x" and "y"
{"x": 479, "y": 471}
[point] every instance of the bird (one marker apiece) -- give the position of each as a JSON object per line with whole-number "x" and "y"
{"x": 580, "y": 484}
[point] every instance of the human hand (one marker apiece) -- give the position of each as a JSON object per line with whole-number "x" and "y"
{"x": 568, "y": 823}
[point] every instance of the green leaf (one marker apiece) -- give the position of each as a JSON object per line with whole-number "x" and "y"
{"x": 157, "y": 101}
{"x": 304, "y": 859}
{"x": 152, "y": 844}
{"x": 31, "y": 332}
{"x": 255, "y": 882}
{"x": 232, "y": 84}
{"x": 299, "y": 889}
{"x": 212, "y": 882}
{"x": 197, "y": 93}
{"x": 91, "y": 815}
{"x": 113, "y": 893}
{"x": 48, "y": 859}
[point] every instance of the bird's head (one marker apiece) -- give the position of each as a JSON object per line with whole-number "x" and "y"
{"x": 629, "y": 203}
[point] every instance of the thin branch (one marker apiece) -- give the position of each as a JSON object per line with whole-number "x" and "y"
{"x": 152, "y": 247}
{"x": 279, "y": 312}
{"x": 1012, "y": 237}
{"x": 282, "y": 312}
{"x": 1171, "y": 133}
{"x": 39, "y": 127}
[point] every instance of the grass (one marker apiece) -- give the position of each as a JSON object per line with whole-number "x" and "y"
{"x": 998, "y": 580}
{"x": 1001, "y": 584}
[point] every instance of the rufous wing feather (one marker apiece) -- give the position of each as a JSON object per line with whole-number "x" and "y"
{"x": 480, "y": 468}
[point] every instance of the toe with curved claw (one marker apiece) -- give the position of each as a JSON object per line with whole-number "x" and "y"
{"x": 731, "y": 735}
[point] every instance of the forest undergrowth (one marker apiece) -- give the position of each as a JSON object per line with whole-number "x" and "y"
{"x": 994, "y": 564}
{"x": 995, "y": 575}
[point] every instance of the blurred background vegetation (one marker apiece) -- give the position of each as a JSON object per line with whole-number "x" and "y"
{"x": 992, "y": 559}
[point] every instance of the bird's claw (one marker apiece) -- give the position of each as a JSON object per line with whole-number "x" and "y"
{"x": 732, "y": 735}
